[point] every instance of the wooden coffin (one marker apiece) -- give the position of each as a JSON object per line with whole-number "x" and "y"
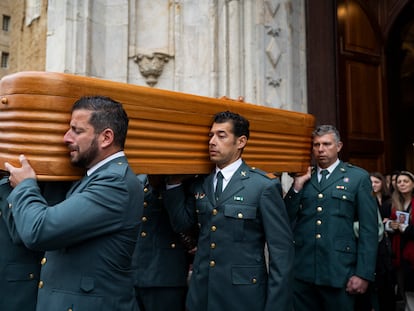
{"x": 168, "y": 132}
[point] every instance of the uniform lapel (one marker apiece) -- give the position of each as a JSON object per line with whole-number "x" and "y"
{"x": 336, "y": 175}
{"x": 208, "y": 187}
{"x": 235, "y": 183}
{"x": 314, "y": 179}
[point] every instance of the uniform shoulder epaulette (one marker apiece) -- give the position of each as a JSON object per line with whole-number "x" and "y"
{"x": 357, "y": 168}
{"x": 263, "y": 173}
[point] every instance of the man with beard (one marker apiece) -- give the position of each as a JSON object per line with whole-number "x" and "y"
{"x": 89, "y": 237}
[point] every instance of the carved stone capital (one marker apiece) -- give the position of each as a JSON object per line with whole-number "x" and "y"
{"x": 151, "y": 66}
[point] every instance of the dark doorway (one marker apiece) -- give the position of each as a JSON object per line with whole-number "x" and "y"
{"x": 400, "y": 78}
{"x": 361, "y": 78}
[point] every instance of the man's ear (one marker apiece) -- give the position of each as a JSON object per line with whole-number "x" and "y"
{"x": 339, "y": 146}
{"x": 242, "y": 141}
{"x": 107, "y": 137}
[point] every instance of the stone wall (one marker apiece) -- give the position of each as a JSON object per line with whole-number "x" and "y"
{"x": 29, "y": 29}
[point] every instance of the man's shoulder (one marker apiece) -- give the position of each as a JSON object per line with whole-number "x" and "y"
{"x": 258, "y": 174}
{"x": 347, "y": 167}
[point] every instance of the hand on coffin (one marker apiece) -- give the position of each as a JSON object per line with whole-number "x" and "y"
{"x": 301, "y": 180}
{"x": 18, "y": 174}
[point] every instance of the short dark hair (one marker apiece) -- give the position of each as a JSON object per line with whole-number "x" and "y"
{"x": 240, "y": 124}
{"x": 106, "y": 113}
{"x": 327, "y": 129}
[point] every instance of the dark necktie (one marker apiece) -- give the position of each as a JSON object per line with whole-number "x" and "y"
{"x": 219, "y": 185}
{"x": 324, "y": 173}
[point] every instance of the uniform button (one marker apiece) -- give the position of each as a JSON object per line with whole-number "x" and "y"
{"x": 319, "y": 209}
{"x": 145, "y": 203}
{"x": 214, "y": 212}
{"x": 43, "y": 261}
{"x": 318, "y": 222}
{"x": 199, "y": 225}
{"x": 212, "y": 263}
{"x": 145, "y": 189}
{"x": 320, "y": 195}
{"x": 0, "y": 213}
{"x": 254, "y": 280}
{"x": 213, "y": 228}
{"x": 70, "y": 309}
{"x": 318, "y": 236}
{"x": 344, "y": 197}
{"x": 143, "y": 234}
{"x": 197, "y": 211}
{"x": 172, "y": 245}
{"x": 240, "y": 215}
{"x": 40, "y": 285}
{"x": 213, "y": 245}
{"x": 10, "y": 205}
{"x": 144, "y": 219}
{"x": 31, "y": 276}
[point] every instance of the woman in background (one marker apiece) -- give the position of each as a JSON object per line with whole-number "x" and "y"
{"x": 385, "y": 278}
{"x": 403, "y": 239}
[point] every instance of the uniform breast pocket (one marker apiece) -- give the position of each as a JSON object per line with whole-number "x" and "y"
{"x": 345, "y": 203}
{"x": 239, "y": 218}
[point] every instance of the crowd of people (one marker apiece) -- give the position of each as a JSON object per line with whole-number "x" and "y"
{"x": 339, "y": 239}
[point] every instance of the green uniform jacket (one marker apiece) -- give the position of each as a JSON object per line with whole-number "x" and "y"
{"x": 19, "y": 266}
{"x": 89, "y": 239}
{"x": 326, "y": 249}
{"x": 160, "y": 258}
{"x": 229, "y": 270}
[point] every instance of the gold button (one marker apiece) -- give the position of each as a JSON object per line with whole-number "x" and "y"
{"x": 318, "y": 222}
{"x": 212, "y": 263}
{"x": 43, "y": 261}
{"x": 40, "y": 285}
{"x": 145, "y": 189}
{"x": 319, "y": 209}
{"x": 172, "y": 245}
{"x": 213, "y": 245}
{"x": 213, "y": 228}
{"x": 31, "y": 276}
{"x": 254, "y": 280}
{"x": 10, "y": 205}
{"x": 144, "y": 219}
{"x": 320, "y": 195}
{"x": 143, "y": 234}
{"x": 344, "y": 197}
{"x": 70, "y": 309}
{"x": 240, "y": 215}
{"x": 145, "y": 203}
{"x": 215, "y": 211}
{"x": 318, "y": 236}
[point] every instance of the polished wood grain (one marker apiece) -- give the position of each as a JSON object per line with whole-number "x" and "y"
{"x": 168, "y": 131}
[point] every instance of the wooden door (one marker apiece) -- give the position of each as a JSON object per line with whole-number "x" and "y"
{"x": 361, "y": 92}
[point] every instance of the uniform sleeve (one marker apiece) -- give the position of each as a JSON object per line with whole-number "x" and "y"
{"x": 368, "y": 230}
{"x": 181, "y": 209}
{"x": 280, "y": 246}
{"x": 292, "y": 202}
{"x": 96, "y": 211}
{"x": 6, "y": 215}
